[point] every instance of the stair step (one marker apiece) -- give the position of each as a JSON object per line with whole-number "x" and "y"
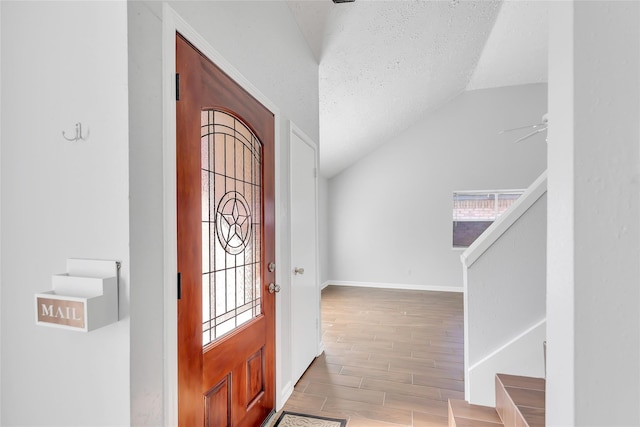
{"x": 534, "y": 417}
{"x": 463, "y": 414}
{"x": 518, "y": 381}
{"x": 520, "y": 400}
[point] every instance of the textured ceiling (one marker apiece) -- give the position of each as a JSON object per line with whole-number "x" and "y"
{"x": 383, "y": 65}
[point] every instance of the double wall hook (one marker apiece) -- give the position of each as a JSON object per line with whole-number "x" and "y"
{"x": 78, "y": 136}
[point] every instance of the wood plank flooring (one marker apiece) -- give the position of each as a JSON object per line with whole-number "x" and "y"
{"x": 392, "y": 358}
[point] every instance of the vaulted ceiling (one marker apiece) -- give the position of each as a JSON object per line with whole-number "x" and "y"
{"x": 383, "y": 65}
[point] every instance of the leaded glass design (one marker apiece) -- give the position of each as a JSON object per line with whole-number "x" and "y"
{"x": 231, "y": 224}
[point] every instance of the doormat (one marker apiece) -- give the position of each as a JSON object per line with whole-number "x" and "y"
{"x": 292, "y": 419}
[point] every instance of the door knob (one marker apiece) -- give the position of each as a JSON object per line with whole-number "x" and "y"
{"x": 273, "y": 288}
{"x": 298, "y": 270}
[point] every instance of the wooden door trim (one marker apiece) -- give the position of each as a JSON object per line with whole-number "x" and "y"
{"x": 173, "y": 23}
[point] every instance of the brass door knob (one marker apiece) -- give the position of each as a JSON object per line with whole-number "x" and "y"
{"x": 273, "y": 288}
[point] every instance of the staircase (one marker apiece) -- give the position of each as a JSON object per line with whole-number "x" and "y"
{"x": 519, "y": 403}
{"x": 504, "y": 276}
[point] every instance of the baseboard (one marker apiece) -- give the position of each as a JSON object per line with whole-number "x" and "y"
{"x": 522, "y": 355}
{"x": 286, "y": 393}
{"x": 412, "y": 287}
{"x": 320, "y": 348}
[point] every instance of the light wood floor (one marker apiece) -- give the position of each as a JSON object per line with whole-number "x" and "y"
{"x": 392, "y": 358}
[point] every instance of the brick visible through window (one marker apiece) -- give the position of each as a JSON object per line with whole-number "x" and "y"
{"x": 475, "y": 211}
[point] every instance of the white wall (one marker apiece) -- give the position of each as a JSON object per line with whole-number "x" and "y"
{"x": 593, "y": 371}
{"x": 323, "y": 228}
{"x": 560, "y": 211}
{"x": 67, "y": 62}
{"x": 0, "y": 216}
{"x": 145, "y": 213}
{"x": 263, "y": 43}
{"x": 391, "y": 213}
{"x": 63, "y": 63}
{"x": 506, "y": 286}
{"x": 521, "y": 356}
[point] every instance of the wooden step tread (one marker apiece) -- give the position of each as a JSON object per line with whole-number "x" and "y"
{"x": 522, "y": 382}
{"x": 526, "y": 397}
{"x": 520, "y": 401}
{"x": 463, "y": 414}
{"x": 534, "y": 416}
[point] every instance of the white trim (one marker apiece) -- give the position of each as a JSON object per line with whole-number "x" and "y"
{"x": 169, "y": 26}
{"x": 172, "y": 23}
{"x": 507, "y": 344}
{"x": 1, "y": 341}
{"x": 325, "y": 284}
{"x": 485, "y": 241}
{"x": 521, "y": 356}
{"x": 465, "y": 305}
{"x": 285, "y": 394}
{"x": 271, "y": 419}
{"x": 395, "y": 286}
{"x": 505, "y": 221}
{"x": 508, "y": 191}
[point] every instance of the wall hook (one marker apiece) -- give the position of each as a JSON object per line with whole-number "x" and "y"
{"x": 78, "y": 136}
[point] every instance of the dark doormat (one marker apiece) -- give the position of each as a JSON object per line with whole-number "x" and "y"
{"x": 292, "y": 419}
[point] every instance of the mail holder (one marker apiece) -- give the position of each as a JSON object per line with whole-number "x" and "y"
{"x": 82, "y": 299}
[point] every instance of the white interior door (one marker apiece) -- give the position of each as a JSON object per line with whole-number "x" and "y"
{"x": 305, "y": 288}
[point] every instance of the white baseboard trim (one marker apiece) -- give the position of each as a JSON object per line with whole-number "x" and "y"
{"x": 320, "y": 348}
{"x": 508, "y": 344}
{"x": 286, "y": 393}
{"x": 522, "y": 355}
{"x": 405, "y": 286}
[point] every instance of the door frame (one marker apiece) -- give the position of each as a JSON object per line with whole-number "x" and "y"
{"x": 171, "y": 24}
{"x": 295, "y": 130}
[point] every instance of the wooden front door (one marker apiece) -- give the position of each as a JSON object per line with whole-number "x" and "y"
{"x": 225, "y": 200}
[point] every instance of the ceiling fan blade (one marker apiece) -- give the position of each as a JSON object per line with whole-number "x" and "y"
{"x": 522, "y": 127}
{"x": 531, "y": 134}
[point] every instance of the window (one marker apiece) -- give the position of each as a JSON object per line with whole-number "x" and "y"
{"x": 475, "y": 211}
{"x": 231, "y": 216}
